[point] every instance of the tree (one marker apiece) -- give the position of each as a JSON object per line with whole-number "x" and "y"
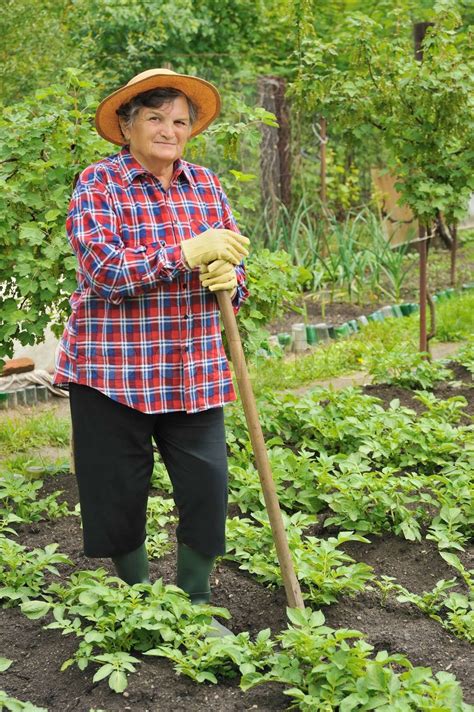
{"x": 368, "y": 83}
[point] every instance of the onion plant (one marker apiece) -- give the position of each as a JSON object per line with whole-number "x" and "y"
{"x": 352, "y": 255}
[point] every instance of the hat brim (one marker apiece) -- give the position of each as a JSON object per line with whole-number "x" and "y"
{"x": 203, "y": 94}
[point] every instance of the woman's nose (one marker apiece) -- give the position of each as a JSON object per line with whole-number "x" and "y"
{"x": 166, "y": 129}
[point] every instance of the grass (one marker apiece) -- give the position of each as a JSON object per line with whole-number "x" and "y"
{"x": 456, "y": 318}
{"x": 19, "y": 434}
{"x": 24, "y": 463}
{"x": 336, "y": 358}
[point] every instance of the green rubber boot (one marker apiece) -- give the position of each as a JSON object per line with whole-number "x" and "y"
{"x": 133, "y": 567}
{"x": 193, "y": 572}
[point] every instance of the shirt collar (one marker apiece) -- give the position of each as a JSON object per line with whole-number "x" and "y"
{"x": 131, "y": 168}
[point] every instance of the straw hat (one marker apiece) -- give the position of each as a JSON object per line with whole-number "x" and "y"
{"x": 203, "y": 94}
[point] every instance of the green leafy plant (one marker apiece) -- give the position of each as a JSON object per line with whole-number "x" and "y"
{"x": 160, "y": 479}
{"x": 19, "y": 496}
{"x": 407, "y": 369}
{"x": 14, "y": 705}
{"x": 22, "y": 572}
{"x": 454, "y": 611}
{"x": 325, "y": 669}
{"x": 159, "y": 516}
{"x": 206, "y": 658}
{"x": 112, "y": 620}
{"x": 455, "y": 318}
{"x": 45, "y": 142}
{"x": 274, "y": 283}
{"x": 465, "y": 356}
{"x": 324, "y": 570}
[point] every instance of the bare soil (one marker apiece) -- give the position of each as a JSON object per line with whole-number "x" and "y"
{"x": 337, "y": 312}
{"x": 392, "y": 626}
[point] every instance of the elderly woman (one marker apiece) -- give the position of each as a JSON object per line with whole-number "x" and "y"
{"x": 142, "y": 353}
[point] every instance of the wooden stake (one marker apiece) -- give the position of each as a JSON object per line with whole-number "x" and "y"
{"x": 291, "y": 583}
{"x": 322, "y": 153}
{"x": 423, "y": 289}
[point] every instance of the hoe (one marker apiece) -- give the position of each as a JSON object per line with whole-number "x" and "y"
{"x": 291, "y": 583}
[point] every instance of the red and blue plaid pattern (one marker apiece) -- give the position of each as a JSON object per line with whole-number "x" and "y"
{"x": 143, "y": 330}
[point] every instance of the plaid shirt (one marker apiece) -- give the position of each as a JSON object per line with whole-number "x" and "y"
{"x": 143, "y": 330}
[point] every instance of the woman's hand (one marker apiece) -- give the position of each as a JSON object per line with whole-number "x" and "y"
{"x": 215, "y": 244}
{"x": 219, "y": 275}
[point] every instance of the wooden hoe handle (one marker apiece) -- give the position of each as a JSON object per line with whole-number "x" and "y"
{"x": 291, "y": 583}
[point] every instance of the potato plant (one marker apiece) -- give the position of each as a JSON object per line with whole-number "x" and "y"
{"x": 367, "y": 469}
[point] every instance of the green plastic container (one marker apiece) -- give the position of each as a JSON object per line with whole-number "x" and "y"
{"x": 343, "y": 330}
{"x": 406, "y": 309}
{"x": 353, "y": 325}
{"x": 396, "y": 310}
{"x": 284, "y": 339}
{"x": 3, "y": 401}
{"x": 311, "y": 334}
{"x": 331, "y": 331}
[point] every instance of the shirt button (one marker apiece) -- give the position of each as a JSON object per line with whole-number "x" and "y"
{"x": 163, "y": 243}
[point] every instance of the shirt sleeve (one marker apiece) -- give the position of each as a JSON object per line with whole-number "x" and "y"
{"x": 229, "y": 223}
{"x": 112, "y": 270}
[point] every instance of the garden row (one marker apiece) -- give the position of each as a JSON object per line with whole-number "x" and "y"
{"x": 304, "y": 335}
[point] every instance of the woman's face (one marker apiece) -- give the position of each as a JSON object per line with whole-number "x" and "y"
{"x": 157, "y": 137}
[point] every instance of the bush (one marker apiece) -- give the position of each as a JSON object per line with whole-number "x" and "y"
{"x": 45, "y": 142}
{"x": 275, "y": 284}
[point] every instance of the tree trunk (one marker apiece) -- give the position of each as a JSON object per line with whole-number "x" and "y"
{"x": 275, "y": 150}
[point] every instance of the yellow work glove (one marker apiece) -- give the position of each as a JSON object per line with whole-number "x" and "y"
{"x": 219, "y": 275}
{"x": 215, "y": 244}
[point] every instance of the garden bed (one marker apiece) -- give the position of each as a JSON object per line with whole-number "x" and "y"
{"x": 39, "y": 653}
{"x": 388, "y": 624}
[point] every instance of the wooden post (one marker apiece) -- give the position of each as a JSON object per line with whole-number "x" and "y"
{"x": 419, "y": 32}
{"x": 290, "y": 581}
{"x": 423, "y": 252}
{"x": 284, "y": 141}
{"x": 322, "y": 155}
{"x": 454, "y": 249}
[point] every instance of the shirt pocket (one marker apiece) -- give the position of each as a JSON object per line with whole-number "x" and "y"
{"x": 200, "y": 226}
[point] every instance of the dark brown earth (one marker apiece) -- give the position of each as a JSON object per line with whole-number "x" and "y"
{"x": 337, "y": 312}
{"x": 462, "y": 384}
{"x": 392, "y": 626}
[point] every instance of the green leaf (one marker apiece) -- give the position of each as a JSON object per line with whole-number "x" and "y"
{"x": 103, "y": 672}
{"x": 297, "y": 616}
{"x": 35, "y": 609}
{"x": 118, "y": 681}
{"x": 31, "y": 234}
{"x": 5, "y": 664}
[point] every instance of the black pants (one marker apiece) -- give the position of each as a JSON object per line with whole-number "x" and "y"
{"x": 113, "y": 454}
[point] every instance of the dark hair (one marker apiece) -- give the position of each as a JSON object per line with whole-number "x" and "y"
{"x": 153, "y": 99}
